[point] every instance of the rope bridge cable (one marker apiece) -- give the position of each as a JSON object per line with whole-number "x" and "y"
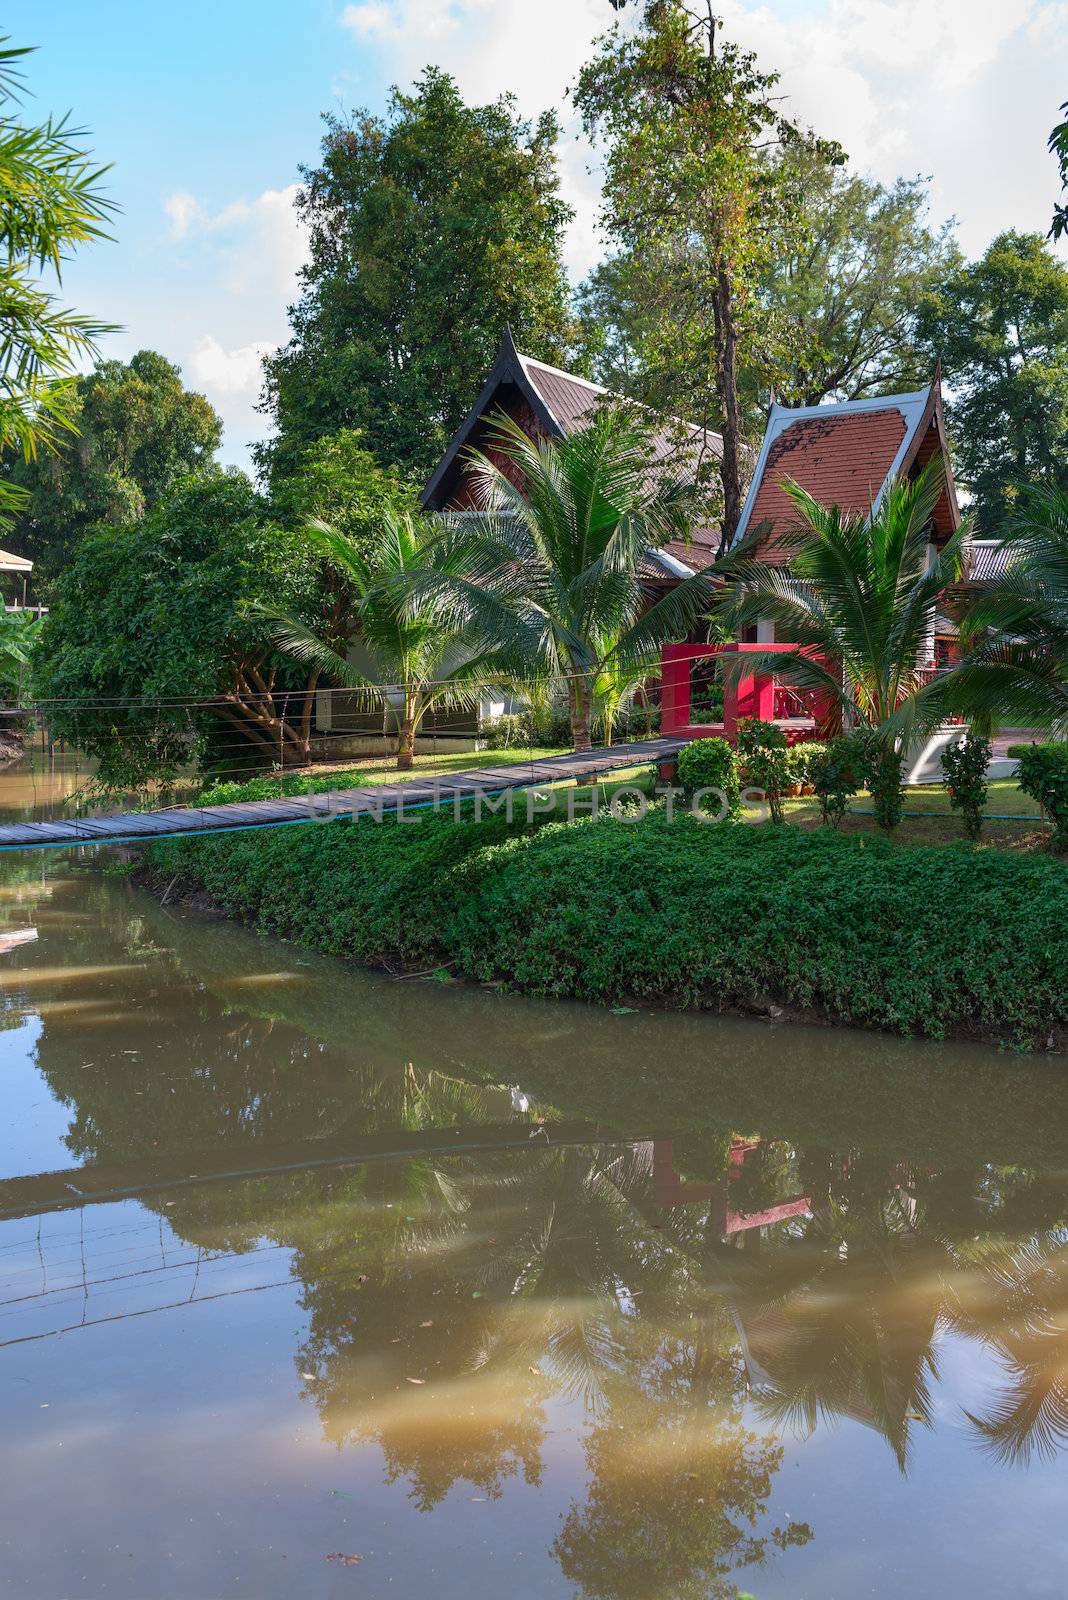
{"x": 414, "y": 794}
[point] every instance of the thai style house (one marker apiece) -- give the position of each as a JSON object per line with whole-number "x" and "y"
{"x": 847, "y": 453}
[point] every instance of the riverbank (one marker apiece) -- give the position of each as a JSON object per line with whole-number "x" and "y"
{"x": 936, "y": 940}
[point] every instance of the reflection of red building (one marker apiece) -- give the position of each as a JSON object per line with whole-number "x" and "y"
{"x": 670, "y": 1190}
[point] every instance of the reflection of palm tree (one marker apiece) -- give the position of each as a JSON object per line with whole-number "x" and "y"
{"x": 1020, "y": 1308}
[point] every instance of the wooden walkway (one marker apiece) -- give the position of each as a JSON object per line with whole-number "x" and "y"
{"x": 134, "y": 827}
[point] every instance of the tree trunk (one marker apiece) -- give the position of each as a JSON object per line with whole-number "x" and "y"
{"x": 406, "y": 729}
{"x": 581, "y": 709}
{"x": 726, "y": 346}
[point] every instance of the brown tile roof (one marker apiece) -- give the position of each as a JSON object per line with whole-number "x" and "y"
{"x": 841, "y": 460}
{"x": 844, "y": 455}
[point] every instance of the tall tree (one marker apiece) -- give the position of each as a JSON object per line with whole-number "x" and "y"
{"x": 51, "y": 201}
{"x": 1058, "y": 147}
{"x": 696, "y": 199}
{"x": 154, "y": 651}
{"x": 845, "y": 296}
{"x": 429, "y": 230}
{"x": 138, "y": 432}
{"x": 336, "y": 480}
{"x": 1000, "y": 326}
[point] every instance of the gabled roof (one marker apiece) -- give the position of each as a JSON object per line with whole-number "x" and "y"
{"x": 989, "y": 558}
{"x": 845, "y": 454}
{"x": 561, "y": 403}
{"x": 10, "y": 563}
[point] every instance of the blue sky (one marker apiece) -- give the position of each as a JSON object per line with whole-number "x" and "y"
{"x": 207, "y": 110}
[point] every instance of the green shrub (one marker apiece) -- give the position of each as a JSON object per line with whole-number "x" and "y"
{"x": 921, "y": 940}
{"x": 765, "y": 761}
{"x": 276, "y": 788}
{"x": 837, "y": 772}
{"x": 710, "y": 764}
{"x": 882, "y": 777}
{"x": 1043, "y": 774}
{"x": 964, "y": 776}
{"x": 544, "y": 728}
{"x": 803, "y": 758}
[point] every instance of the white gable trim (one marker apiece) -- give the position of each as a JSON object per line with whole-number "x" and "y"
{"x": 912, "y": 407}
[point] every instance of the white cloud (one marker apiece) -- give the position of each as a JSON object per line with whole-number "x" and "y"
{"x": 182, "y": 208}
{"x": 965, "y": 90}
{"x": 227, "y": 371}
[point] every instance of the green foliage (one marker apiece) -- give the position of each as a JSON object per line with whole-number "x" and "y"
{"x": 337, "y": 481}
{"x": 1043, "y": 774}
{"x": 842, "y": 317}
{"x": 151, "y": 620}
{"x": 883, "y": 777}
{"x": 1014, "y": 636}
{"x": 860, "y": 596}
{"x": 558, "y": 554}
{"x": 1058, "y": 147}
{"x": 964, "y": 775}
{"x": 711, "y": 764}
{"x": 138, "y": 432}
{"x": 803, "y": 759}
{"x": 765, "y": 761}
{"x": 536, "y": 727}
{"x": 1000, "y": 325}
{"x": 283, "y": 785}
{"x": 19, "y": 633}
{"x": 697, "y": 206}
{"x": 52, "y": 202}
{"x": 430, "y": 229}
{"x": 919, "y": 941}
{"x": 837, "y": 772}
{"x": 412, "y": 656}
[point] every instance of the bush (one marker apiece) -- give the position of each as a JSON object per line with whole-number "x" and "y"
{"x": 964, "y": 776}
{"x": 1043, "y": 774}
{"x": 765, "y": 760}
{"x": 882, "y": 775}
{"x": 921, "y": 940}
{"x": 802, "y": 760}
{"x": 546, "y": 728}
{"x": 710, "y": 764}
{"x": 277, "y": 788}
{"x": 837, "y": 772}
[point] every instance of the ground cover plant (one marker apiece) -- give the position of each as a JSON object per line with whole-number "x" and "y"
{"x": 686, "y": 913}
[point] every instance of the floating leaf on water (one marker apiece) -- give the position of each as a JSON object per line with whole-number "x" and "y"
{"x": 624, "y": 1011}
{"x": 346, "y": 1561}
{"x": 476, "y": 1294}
{"x": 341, "y": 1494}
{"x": 429, "y": 1324}
{"x": 538, "y": 1373}
{"x": 363, "y": 1278}
{"x": 418, "y": 1381}
{"x": 309, "y": 1376}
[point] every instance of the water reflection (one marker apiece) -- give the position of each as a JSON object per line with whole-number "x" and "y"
{"x": 624, "y": 1250}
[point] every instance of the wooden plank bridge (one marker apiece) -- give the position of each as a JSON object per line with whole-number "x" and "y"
{"x": 133, "y": 827}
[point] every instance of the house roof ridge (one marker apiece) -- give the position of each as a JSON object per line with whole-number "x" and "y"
{"x": 599, "y": 388}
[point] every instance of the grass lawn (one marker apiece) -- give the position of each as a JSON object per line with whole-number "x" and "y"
{"x": 930, "y": 819}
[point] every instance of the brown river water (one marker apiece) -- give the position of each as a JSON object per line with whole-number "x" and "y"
{"x": 299, "y": 1263}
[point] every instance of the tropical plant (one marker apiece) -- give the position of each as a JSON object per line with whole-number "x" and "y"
{"x": 19, "y": 632}
{"x": 52, "y": 202}
{"x": 837, "y": 772}
{"x": 553, "y": 559}
{"x": 859, "y": 598}
{"x": 964, "y": 776}
{"x": 711, "y": 764}
{"x": 136, "y": 432}
{"x": 765, "y": 761}
{"x": 1043, "y": 774}
{"x": 1014, "y": 636}
{"x": 414, "y": 659}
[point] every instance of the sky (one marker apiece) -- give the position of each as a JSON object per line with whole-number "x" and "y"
{"x": 207, "y": 110}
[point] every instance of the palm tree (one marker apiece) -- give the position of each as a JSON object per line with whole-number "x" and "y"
{"x": 860, "y": 594}
{"x": 558, "y": 541}
{"x": 416, "y": 659}
{"x": 1015, "y": 635}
